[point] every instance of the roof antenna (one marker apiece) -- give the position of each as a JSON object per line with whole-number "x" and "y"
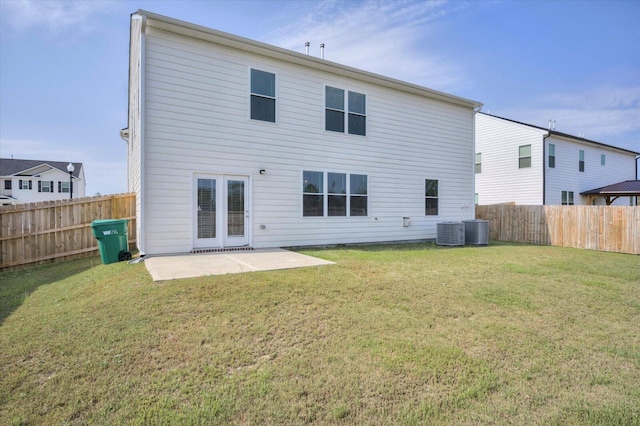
{"x": 322, "y": 50}
{"x": 306, "y": 46}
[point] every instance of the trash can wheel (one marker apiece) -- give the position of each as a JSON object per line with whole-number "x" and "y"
{"x": 124, "y": 255}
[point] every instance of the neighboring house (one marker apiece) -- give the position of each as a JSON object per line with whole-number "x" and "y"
{"x": 236, "y": 143}
{"x": 526, "y": 164}
{"x": 29, "y": 181}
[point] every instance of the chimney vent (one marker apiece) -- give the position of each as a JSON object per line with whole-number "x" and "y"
{"x": 306, "y": 46}
{"x": 322, "y": 50}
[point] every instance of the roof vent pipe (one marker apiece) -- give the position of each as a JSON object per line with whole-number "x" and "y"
{"x": 322, "y": 50}
{"x": 306, "y": 46}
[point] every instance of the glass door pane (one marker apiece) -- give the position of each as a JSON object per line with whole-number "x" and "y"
{"x": 206, "y": 208}
{"x": 235, "y": 208}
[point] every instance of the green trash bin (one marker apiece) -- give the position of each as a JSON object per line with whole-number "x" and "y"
{"x": 112, "y": 239}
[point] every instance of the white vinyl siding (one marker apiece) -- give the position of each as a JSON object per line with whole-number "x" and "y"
{"x": 195, "y": 122}
{"x": 502, "y": 180}
{"x": 567, "y": 177}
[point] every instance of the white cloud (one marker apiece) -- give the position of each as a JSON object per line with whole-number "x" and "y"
{"x": 385, "y": 37}
{"x": 55, "y": 16}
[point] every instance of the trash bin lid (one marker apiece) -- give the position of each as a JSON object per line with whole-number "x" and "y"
{"x": 108, "y": 222}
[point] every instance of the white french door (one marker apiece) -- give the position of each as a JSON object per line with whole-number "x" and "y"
{"x": 221, "y": 211}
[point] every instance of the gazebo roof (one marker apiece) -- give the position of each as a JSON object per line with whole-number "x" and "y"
{"x": 628, "y": 188}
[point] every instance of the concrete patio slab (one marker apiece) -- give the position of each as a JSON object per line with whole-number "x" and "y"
{"x": 196, "y": 265}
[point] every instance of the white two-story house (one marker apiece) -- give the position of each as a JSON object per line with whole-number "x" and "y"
{"x": 29, "y": 181}
{"x": 526, "y": 164}
{"x": 236, "y": 143}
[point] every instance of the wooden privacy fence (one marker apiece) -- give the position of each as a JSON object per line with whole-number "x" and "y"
{"x": 54, "y": 230}
{"x": 605, "y": 228}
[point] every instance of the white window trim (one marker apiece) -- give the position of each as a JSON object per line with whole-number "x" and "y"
{"x": 346, "y": 111}
{"x": 325, "y": 194}
{"x": 277, "y": 106}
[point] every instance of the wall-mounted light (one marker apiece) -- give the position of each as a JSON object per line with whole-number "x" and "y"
{"x": 262, "y": 171}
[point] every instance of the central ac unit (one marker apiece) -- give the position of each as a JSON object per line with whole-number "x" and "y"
{"x": 476, "y": 232}
{"x": 450, "y": 234}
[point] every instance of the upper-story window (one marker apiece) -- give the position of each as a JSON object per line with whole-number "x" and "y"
{"x": 478, "y": 162}
{"x": 524, "y": 156}
{"x": 353, "y": 120}
{"x": 7, "y": 184}
{"x": 603, "y": 159}
{"x": 552, "y": 156}
{"x": 24, "y": 184}
{"x": 263, "y": 96}
{"x": 581, "y": 161}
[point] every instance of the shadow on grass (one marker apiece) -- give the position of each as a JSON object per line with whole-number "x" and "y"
{"x": 16, "y": 286}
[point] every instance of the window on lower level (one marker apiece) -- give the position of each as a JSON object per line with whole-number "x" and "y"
{"x": 263, "y": 96}
{"x": 334, "y": 194}
{"x": 45, "y": 186}
{"x": 430, "y": 197}
{"x": 478, "y": 162}
{"x": 524, "y": 156}
{"x": 581, "y": 161}
{"x": 63, "y": 186}
{"x": 567, "y": 198}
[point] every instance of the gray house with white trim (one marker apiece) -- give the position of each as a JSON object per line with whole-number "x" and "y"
{"x": 236, "y": 143}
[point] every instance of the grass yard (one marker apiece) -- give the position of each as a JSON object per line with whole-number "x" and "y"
{"x": 403, "y": 334}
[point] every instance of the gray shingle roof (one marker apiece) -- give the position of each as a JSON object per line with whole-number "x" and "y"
{"x": 10, "y": 166}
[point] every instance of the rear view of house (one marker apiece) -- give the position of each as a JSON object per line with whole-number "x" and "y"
{"x": 236, "y": 143}
{"x": 526, "y": 164}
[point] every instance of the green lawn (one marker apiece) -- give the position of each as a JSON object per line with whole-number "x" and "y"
{"x": 403, "y": 334}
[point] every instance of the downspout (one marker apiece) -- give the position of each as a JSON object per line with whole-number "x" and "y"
{"x": 544, "y": 168}
{"x": 476, "y": 110}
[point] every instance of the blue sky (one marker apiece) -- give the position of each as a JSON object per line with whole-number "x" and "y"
{"x": 63, "y": 65}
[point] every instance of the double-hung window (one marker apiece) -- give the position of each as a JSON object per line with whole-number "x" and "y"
{"x": 567, "y": 198}
{"x": 24, "y": 184}
{"x": 552, "y": 156}
{"x": 45, "y": 186}
{"x": 581, "y": 161}
{"x": 334, "y": 194}
{"x": 603, "y": 159}
{"x": 63, "y": 186}
{"x": 431, "y": 197}
{"x": 313, "y": 193}
{"x": 353, "y": 119}
{"x": 7, "y": 184}
{"x": 478, "y": 162}
{"x": 263, "y": 96}
{"x": 524, "y": 156}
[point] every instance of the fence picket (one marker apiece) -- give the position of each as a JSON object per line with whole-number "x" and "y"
{"x": 605, "y": 228}
{"x": 36, "y": 232}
